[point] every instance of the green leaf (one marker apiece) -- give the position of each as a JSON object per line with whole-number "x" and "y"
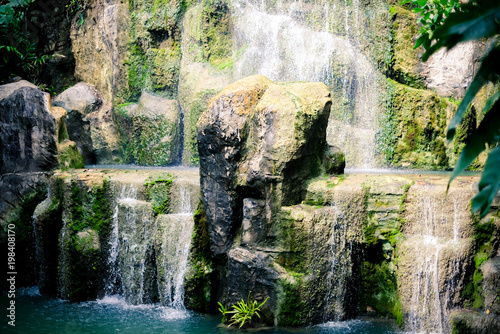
{"x": 422, "y": 3}
{"x": 470, "y": 23}
{"x": 487, "y": 132}
{"x": 491, "y": 102}
{"x": 486, "y": 73}
{"x": 489, "y": 184}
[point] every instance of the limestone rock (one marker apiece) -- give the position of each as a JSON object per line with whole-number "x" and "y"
{"x": 27, "y": 129}
{"x": 149, "y": 131}
{"x": 99, "y": 46}
{"x": 90, "y": 123}
{"x": 220, "y": 142}
{"x": 69, "y": 156}
{"x": 286, "y": 138}
{"x": 259, "y": 143}
{"x": 252, "y": 271}
{"x": 105, "y": 135}
{"x": 491, "y": 285}
{"x": 79, "y": 101}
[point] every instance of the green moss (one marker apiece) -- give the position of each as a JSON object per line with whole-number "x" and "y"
{"x": 142, "y": 137}
{"x": 69, "y": 157}
{"x": 198, "y": 105}
{"x": 198, "y": 285}
{"x": 216, "y": 33}
{"x": 153, "y": 59}
{"x": 88, "y": 227}
{"x": 292, "y": 307}
{"x": 158, "y": 191}
{"x": 483, "y": 237}
{"x": 413, "y": 131}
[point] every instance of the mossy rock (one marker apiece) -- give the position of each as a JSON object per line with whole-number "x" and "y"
{"x": 158, "y": 191}
{"x": 415, "y": 136}
{"x": 150, "y": 131}
{"x": 69, "y": 156}
{"x": 405, "y": 67}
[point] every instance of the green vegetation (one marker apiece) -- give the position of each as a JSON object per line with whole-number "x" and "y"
{"x": 243, "y": 312}
{"x": 445, "y": 24}
{"x": 87, "y": 228}
{"x": 216, "y": 40}
{"x": 483, "y": 238}
{"x": 293, "y": 307}
{"x": 413, "y": 128}
{"x": 198, "y": 285}
{"x": 199, "y": 104}
{"x": 18, "y": 51}
{"x": 158, "y": 191}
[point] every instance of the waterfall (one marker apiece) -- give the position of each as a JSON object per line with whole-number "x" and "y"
{"x": 113, "y": 284}
{"x": 280, "y": 42}
{"x": 136, "y": 226}
{"x": 174, "y": 240}
{"x": 62, "y": 260}
{"x": 148, "y": 256}
{"x": 340, "y": 244}
{"x": 433, "y": 258}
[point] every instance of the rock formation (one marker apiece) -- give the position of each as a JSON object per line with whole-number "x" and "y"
{"x": 28, "y": 142}
{"x": 150, "y": 131}
{"x": 89, "y": 123}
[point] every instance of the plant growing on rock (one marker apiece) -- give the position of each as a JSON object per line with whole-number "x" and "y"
{"x": 243, "y": 312}
{"x": 18, "y": 52}
{"x": 450, "y": 25}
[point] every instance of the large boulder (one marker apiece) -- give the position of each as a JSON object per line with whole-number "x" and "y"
{"x": 150, "y": 131}
{"x": 79, "y": 101}
{"x": 259, "y": 140}
{"x": 89, "y": 123}
{"x": 27, "y": 129}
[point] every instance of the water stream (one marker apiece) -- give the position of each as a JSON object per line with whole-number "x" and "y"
{"x": 281, "y": 42}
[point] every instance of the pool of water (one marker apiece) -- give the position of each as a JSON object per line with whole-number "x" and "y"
{"x": 38, "y": 314}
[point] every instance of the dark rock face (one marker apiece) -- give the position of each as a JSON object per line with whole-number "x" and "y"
{"x": 220, "y": 142}
{"x": 79, "y": 101}
{"x": 259, "y": 140}
{"x": 259, "y": 143}
{"x": 27, "y": 130}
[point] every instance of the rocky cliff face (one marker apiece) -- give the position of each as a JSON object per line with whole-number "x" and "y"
{"x": 365, "y": 56}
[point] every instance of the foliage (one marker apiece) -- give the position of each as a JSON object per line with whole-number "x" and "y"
{"x": 433, "y": 14}
{"x": 18, "y": 53}
{"x": 475, "y": 20}
{"x": 243, "y": 312}
{"x": 224, "y": 311}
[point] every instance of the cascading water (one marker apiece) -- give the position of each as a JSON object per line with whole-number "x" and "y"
{"x": 173, "y": 244}
{"x": 432, "y": 261}
{"x": 113, "y": 283}
{"x": 148, "y": 256}
{"x": 280, "y": 42}
{"x": 336, "y": 277}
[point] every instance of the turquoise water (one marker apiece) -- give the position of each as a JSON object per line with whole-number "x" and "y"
{"x": 37, "y": 314}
